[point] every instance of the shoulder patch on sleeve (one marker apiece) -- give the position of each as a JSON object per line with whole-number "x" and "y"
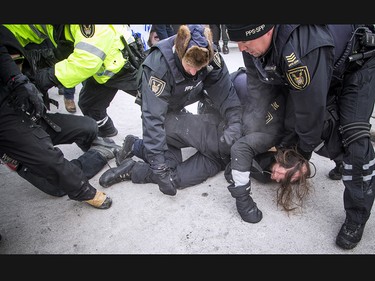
{"x": 156, "y": 85}
{"x": 217, "y": 60}
{"x": 87, "y": 30}
{"x": 299, "y": 77}
{"x": 292, "y": 60}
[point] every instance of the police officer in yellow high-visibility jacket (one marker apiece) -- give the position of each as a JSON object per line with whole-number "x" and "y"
{"x": 90, "y": 54}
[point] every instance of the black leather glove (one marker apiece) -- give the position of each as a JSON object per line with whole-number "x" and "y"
{"x": 162, "y": 177}
{"x": 45, "y": 79}
{"x": 137, "y": 48}
{"x": 137, "y": 56}
{"x": 25, "y": 96}
{"x": 305, "y": 154}
{"x": 231, "y": 134}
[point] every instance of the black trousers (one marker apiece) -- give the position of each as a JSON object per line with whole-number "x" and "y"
{"x": 201, "y": 132}
{"x": 356, "y": 104}
{"x": 219, "y": 32}
{"x": 33, "y": 146}
{"x": 95, "y": 98}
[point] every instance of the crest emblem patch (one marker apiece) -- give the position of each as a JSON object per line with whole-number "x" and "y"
{"x": 87, "y": 30}
{"x": 299, "y": 77}
{"x": 156, "y": 85}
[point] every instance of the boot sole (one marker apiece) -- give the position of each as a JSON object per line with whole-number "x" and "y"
{"x": 345, "y": 244}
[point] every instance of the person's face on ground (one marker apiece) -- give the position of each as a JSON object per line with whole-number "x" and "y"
{"x": 278, "y": 173}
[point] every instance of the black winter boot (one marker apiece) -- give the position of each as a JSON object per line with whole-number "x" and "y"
{"x": 118, "y": 174}
{"x": 107, "y": 129}
{"x": 164, "y": 180}
{"x": 126, "y": 150}
{"x": 336, "y": 173}
{"x": 246, "y": 207}
{"x": 225, "y": 49}
{"x": 349, "y": 235}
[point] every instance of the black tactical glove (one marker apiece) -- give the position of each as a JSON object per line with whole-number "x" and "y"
{"x": 305, "y": 154}
{"x": 162, "y": 176}
{"x": 25, "y": 96}
{"x": 137, "y": 56}
{"x": 45, "y": 79}
{"x": 231, "y": 134}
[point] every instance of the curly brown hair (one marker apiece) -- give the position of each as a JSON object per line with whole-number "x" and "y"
{"x": 291, "y": 194}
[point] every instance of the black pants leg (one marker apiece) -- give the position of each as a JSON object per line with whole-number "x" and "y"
{"x": 356, "y": 104}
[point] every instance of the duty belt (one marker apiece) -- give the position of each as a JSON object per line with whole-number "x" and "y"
{"x": 52, "y": 124}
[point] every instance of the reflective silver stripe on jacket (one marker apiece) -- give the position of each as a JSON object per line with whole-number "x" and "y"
{"x": 91, "y": 49}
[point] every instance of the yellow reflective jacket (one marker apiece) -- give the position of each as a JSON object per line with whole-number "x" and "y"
{"x": 97, "y": 49}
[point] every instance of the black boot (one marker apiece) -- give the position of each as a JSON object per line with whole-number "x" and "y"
{"x": 126, "y": 150}
{"x": 246, "y": 207}
{"x": 225, "y": 49}
{"x": 336, "y": 173}
{"x": 118, "y": 174}
{"x": 349, "y": 235}
{"x": 107, "y": 129}
{"x": 142, "y": 173}
{"x": 165, "y": 182}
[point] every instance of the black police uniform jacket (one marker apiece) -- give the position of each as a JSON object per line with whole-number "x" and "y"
{"x": 8, "y": 70}
{"x": 307, "y": 60}
{"x": 165, "y": 87}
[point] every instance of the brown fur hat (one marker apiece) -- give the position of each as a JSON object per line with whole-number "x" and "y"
{"x": 194, "y": 44}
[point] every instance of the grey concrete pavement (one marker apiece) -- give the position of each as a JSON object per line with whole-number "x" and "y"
{"x": 199, "y": 220}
